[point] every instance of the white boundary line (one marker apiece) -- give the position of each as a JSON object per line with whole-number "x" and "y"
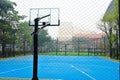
{"x": 14, "y": 70}
{"x": 83, "y": 72}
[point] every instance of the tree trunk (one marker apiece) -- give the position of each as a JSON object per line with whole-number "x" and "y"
{"x": 24, "y": 48}
{"x": 3, "y": 50}
{"x": 14, "y": 46}
{"x": 117, "y": 43}
{"x": 3, "y": 45}
{"x": 110, "y": 42}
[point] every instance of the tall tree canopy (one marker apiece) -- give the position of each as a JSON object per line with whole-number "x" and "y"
{"x": 9, "y": 19}
{"x": 6, "y": 6}
{"x": 109, "y": 25}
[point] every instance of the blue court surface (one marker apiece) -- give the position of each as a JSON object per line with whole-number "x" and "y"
{"x": 61, "y": 68}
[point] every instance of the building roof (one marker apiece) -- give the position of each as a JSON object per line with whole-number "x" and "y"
{"x": 99, "y": 35}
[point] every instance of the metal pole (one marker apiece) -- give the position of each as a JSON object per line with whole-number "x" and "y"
{"x": 57, "y": 46}
{"x": 65, "y": 49}
{"x": 88, "y": 48}
{"x": 35, "y": 55}
{"x": 104, "y": 45}
{"x": 78, "y": 47}
{"x": 94, "y": 47}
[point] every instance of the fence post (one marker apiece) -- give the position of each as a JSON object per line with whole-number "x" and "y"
{"x": 78, "y": 47}
{"x": 65, "y": 49}
{"x": 57, "y": 46}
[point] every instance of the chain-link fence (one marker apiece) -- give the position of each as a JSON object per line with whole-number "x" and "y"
{"x": 61, "y": 40}
{"x": 76, "y": 46}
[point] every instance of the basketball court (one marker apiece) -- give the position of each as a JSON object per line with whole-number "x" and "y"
{"x": 61, "y": 68}
{"x": 65, "y": 64}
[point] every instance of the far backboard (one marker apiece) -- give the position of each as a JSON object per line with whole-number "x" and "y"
{"x": 53, "y": 19}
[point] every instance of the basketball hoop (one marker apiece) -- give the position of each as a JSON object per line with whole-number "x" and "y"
{"x": 50, "y": 17}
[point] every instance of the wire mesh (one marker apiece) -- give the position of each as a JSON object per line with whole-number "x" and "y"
{"x": 85, "y": 46}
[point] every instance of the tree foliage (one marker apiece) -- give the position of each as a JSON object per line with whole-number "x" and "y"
{"x": 109, "y": 24}
{"x": 9, "y": 20}
{"x": 24, "y": 39}
{"x": 43, "y": 37}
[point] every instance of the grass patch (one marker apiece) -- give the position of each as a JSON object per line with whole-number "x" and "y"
{"x": 65, "y": 53}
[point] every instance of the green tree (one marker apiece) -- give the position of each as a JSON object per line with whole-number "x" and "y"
{"x": 24, "y": 38}
{"x": 43, "y": 38}
{"x": 9, "y": 19}
{"x": 6, "y": 7}
{"x": 109, "y": 25}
